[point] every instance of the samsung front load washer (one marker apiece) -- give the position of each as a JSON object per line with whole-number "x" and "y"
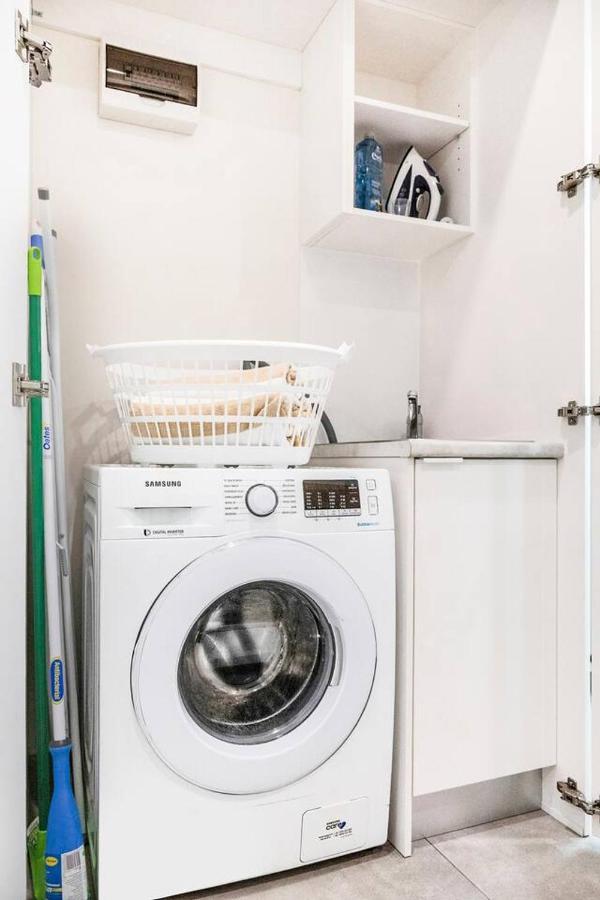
{"x": 239, "y": 632}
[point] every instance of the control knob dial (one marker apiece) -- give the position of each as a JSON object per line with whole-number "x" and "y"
{"x": 261, "y": 500}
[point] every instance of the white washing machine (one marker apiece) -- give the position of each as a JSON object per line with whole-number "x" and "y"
{"x": 239, "y": 671}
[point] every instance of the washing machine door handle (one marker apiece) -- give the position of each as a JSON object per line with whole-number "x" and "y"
{"x": 339, "y": 657}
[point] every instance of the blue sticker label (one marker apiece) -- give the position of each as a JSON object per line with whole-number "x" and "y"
{"x": 47, "y": 437}
{"x": 57, "y": 684}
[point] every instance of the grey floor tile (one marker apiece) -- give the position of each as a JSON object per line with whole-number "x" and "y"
{"x": 529, "y": 857}
{"x": 380, "y": 874}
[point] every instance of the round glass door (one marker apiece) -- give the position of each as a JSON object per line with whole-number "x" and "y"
{"x": 256, "y": 663}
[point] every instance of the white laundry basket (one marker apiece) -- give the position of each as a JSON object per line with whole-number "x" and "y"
{"x": 220, "y": 402}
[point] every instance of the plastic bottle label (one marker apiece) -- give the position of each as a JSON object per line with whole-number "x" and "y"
{"x": 74, "y": 877}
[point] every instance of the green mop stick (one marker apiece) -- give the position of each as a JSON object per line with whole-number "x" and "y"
{"x": 36, "y": 510}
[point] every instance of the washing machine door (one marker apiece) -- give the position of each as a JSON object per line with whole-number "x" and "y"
{"x": 254, "y": 665}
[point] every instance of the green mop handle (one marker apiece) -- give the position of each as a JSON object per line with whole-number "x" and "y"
{"x": 36, "y": 526}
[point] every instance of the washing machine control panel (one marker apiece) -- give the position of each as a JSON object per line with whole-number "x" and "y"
{"x": 316, "y": 500}
{"x": 331, "y": 497}
{"x": 145, "y": 503}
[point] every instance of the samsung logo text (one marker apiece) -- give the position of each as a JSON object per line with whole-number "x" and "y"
{"x": 153, "y": 484}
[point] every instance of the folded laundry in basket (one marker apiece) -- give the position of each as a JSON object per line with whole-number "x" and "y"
{"x": 221, "y": 417}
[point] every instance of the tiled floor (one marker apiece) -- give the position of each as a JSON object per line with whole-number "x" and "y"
{"x": 529, "y": 857}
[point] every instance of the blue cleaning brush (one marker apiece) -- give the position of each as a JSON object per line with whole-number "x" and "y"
{"x": 65, "y": 858}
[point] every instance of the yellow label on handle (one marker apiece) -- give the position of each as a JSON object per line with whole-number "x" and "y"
{"x": 34, "y": 272}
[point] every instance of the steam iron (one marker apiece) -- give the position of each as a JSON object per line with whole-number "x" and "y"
{"x": 416, "y": 190}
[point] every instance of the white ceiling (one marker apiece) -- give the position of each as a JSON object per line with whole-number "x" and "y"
{"x": 464, "y": 12}
{"x": 287, "y": 23}
{"x": 291, "y": 23}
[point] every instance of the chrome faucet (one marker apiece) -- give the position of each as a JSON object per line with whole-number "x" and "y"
{"x": 414, "y": 417}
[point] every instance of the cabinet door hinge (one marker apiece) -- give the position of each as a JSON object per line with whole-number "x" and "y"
{"x": 571, "y": 181}
{"x": 33, "y": 51}
{"x": 569, "y": 792}
{"x": 23, "y": 388}
{"x": 572, "y": 411}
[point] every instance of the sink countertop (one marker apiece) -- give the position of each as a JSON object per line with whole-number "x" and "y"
{"x": 444, "y": 449}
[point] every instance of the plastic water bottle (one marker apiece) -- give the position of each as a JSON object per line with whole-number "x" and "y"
{"x": 368, "y": 174}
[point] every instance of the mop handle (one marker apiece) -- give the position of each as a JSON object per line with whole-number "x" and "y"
{"x": 53, "y": 327}
{"x": 36, "y": 526}
{"x": 57, "y": 683}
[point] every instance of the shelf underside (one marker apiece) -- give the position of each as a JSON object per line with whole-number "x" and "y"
{"x": 381, "y": 234}
{"x": 396, "y": 126}
{"x": 394, "y": 43}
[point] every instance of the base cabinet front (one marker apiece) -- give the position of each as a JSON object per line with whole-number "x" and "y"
{"x": 484, "y": 620}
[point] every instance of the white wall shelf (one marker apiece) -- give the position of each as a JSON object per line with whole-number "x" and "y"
{"x": 382, "y": 234}
{"x": 394, "y": 125}
{"x": 357, "y": 80}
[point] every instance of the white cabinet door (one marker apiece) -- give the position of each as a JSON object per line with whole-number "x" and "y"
{"x": 14, "y": 226}
{"x": 485, "y": 620}
{"x": 588, "y": 780}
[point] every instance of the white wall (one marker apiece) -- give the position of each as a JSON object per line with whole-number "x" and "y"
{"x": 490, "y": 305}
{"x": 375, "y": 304}
{"x": 163, "y": 235}
{"x": 124, "y": 24}
{"x": 170, "y": 236}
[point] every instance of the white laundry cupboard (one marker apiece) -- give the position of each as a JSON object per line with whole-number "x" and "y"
{"x": 476, "y": 597}
{"x": 503, "y": 99}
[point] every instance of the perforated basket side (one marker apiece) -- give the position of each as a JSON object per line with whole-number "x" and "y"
{"x": 189, "y": 405}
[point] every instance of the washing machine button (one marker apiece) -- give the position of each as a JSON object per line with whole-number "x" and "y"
{"x": 371, "y": 484}
{"x": 373, "y": 504}
{"x": 261, "y": 500}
